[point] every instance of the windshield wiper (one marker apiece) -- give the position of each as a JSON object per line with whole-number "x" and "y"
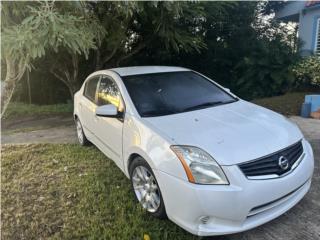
{"x": 206, "y": 104}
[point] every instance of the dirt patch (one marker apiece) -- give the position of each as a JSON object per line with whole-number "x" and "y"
{"x": 46, "y": 129}
{"x": 45, "y": 121}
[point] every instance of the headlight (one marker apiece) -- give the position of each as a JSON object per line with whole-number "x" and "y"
{"x": 200, "y": 167}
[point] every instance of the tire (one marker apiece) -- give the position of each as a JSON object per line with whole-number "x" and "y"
{"x": 82, "y": 139}
{"x": 146, "y": 189}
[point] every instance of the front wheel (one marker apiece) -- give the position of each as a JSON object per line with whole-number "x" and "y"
{"x": 146, "y": 188}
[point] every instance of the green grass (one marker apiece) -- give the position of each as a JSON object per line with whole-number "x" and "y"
{"x": 288, "y": 104}
{"x": 16, "y": 110}
{"x": 70, "y": 192}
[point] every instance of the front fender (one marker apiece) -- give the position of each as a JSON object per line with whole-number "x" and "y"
{"x": 148, "y": 143}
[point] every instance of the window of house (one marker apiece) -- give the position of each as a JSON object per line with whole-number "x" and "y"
{"x": 317, "y": 48}
{"x": 91, "y": 88}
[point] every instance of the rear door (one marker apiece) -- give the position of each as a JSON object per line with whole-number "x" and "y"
{"x": 88, "y": 106}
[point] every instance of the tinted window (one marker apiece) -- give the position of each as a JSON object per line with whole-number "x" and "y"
{"x": 109, "y": 93}
{"x": 168, "y": 93}
{"x": 90, "y": 88}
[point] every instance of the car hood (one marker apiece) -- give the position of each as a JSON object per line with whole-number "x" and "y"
{"x": 230, "y": 133}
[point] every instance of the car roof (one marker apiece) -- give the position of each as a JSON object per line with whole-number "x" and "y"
{"x": 127, "y": 71}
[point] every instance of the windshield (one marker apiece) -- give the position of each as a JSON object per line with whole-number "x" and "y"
{"x": 159, "y": 94}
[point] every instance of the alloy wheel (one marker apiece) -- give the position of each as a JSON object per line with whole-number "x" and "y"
{"x": 146, "y": 189}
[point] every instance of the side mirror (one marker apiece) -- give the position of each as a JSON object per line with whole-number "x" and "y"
{"x": 109, "y": 110}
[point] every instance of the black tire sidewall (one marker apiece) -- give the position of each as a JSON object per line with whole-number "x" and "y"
{"x": 85, "y": 141}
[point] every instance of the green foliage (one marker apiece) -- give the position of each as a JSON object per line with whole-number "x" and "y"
{"x": 46, "y": 28}
{"x": 249, "y": 56}
{"x": 174, "y": 24}
{"x": 308, "y": 70}
{"x": 43, "y": 28}
{"x": 231, "y": 42}
{"x": 266, "y": 70}
{"x": 273, "y": 6}
{"x": 132, "y": 26}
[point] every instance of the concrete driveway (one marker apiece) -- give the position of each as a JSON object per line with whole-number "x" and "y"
{"x": 301, "y": 222}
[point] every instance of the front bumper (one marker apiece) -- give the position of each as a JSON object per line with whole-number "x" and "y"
{"x": 206, "y": 210}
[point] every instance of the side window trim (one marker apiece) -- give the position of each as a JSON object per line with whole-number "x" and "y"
{"x": 94, "y": 101}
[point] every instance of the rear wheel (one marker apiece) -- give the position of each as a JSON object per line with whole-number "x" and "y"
{"x": 146, "y": 188}
{"x": 80, "y": 134}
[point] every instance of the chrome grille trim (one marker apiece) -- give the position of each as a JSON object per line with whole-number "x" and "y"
{"x": 268, "y": 167}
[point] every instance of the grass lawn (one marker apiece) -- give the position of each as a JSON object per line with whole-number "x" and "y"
{"x": 288, "y": 104}
{"x": 16, "y": 110}
{"x": 70, "y": 192}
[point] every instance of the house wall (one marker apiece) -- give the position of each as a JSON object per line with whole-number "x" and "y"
{"x": 307, "y": 17}
{"x": 290, "y": 9}
{"x": 307, "y": 30}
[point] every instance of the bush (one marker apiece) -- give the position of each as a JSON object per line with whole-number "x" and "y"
{"x": 307, "y": 71}
{"x": 266, "y": 70}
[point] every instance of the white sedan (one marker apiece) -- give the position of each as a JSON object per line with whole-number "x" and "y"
{"x": 209, "y": 161}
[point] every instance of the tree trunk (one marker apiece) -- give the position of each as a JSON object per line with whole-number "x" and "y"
{"x": 29, "y": 88}
{"x": 68, "y": 74}
{"x": 72, "y": 91}
{"x": 14, "y": 73}
{"x": 103, "y": 58}
{"x": 66, "y": 81}
{"x": 98, "y": 60}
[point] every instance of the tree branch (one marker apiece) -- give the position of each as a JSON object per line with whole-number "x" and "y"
{"x": 107, "y": 58}
{"x": 75, "y": 66}
{"x": 61, "y": 78}
{"x": 137, "y": 49}
{"x": 14, "y": 73}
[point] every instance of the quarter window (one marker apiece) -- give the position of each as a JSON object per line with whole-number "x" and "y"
{"x": 91, "y": 88}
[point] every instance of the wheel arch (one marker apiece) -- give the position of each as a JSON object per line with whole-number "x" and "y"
{"x": 130, "y": 160}
{"x": 136, "y": 152}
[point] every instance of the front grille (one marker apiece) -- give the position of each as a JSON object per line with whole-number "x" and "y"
{"x": 269, "y": 165}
